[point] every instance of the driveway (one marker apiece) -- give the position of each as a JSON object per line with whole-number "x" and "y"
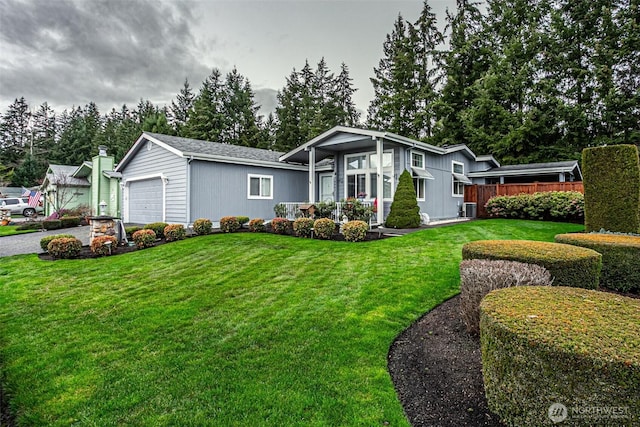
{"x": 29, "y": 243}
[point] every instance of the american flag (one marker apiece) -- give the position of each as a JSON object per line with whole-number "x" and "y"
{"x": 26, "y": 192}
{"x": 34, "y": 198}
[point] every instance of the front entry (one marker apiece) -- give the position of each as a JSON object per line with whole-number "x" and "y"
{"x": 326, "y": 187}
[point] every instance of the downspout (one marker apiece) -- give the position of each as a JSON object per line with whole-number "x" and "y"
{"x": 188, "y": 213}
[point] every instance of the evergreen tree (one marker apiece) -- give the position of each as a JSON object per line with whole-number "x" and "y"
{"x": 405, "y": 212}
{"x": 207, "y": 119}
{"x": 44, "y": 132}
{"x": 30, "y": 172}
{"x": 241, "y": 112}
{"x": 181, "y": 108}
{"x": 348, "y": 114}
{"x": 15, "y": 133}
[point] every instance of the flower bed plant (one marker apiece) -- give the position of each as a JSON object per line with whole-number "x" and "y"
{"x": 130, "y": 230}
{"x": 242, "y": 220}
{"x": 173, "y": 232}
{"x": 202, "y": 226}
{"x": 256, "y": 225}
{"x": 303, "y": 227}
{"x": 550, "y": 206}
{"x": 280, "y": 225}
{"x": 157, "y": 227}
{"x": 229, "y": 224}
{"x": 355, "y": 231}
{"x": 104, "y": 245}
{"x": 64, "y": 247}
{"x": 144, "y": 238}
{"x": 324, "y": 228}
{"x": 44, "y": 242}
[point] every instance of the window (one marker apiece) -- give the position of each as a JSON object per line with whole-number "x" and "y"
{"x": 387, "y": 160}
{"x": 457, "y": 167}
{"x": 417, "y": 160}
{"x": 361, "y": 175}
{"x": 458, "y": 188}
{"x": 419, "y": 184}
{"x": 260, "y": 187}
{"x": 357, "y": 162}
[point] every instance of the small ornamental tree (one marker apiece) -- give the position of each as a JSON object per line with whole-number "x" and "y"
{"x": 611, "y": 188}
{"x": 405, "y": 212}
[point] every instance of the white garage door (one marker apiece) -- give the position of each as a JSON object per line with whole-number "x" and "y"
{"x": 145, "y": 201}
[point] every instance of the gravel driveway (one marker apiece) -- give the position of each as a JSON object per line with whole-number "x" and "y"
{"x": 29, "y": 243}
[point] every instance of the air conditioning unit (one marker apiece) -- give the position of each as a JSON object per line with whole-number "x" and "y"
{"x": 470, "y": 210}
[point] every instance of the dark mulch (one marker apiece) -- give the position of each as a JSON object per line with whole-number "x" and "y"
{"x": 437, "y": 372}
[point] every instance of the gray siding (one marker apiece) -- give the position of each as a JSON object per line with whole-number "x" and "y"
{"x": 156, "y": 161}
{"x": 220, "y": 189}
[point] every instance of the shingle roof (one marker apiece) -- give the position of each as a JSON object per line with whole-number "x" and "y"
{"x": 63, "y": 175}
{"x": 206, "y": 148}
{"x": 529, "y": 166}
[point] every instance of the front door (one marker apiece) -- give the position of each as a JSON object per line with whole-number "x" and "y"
{"x": 326, "y": 187}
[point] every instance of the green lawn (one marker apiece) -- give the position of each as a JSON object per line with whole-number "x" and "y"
{"x": 9, "y": 230}
{"x": 229, "y": 329}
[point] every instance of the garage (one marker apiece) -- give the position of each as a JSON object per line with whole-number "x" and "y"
{"x": 145, "y": 201}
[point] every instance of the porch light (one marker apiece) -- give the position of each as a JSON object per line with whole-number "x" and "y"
{"x": 103, "y": 208}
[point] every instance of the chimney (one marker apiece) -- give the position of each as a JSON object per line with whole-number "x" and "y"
{"x": 102, "y": 150}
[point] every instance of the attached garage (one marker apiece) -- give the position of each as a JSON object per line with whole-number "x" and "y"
{"x": 145, "y": 201}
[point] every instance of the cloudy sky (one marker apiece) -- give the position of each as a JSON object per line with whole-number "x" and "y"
{"x": 71, "y": 52}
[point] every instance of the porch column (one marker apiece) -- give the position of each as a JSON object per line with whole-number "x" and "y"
{"x": 312, "y": 175}
{"x": 380, "y": 180}
{"x": 561, "y": 177}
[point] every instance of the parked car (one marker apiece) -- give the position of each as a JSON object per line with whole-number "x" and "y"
{"x": 19, "y": 205}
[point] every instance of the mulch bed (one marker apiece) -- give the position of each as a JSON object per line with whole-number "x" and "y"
{"x": 436, "y": 368}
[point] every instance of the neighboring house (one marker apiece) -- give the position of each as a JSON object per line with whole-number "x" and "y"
{"x": 532, "y": 172}
{"x": 177, "y": 180}
{"x": 90, "y": 184}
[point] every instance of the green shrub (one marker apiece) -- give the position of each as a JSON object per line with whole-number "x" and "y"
{"x": 478, "y": 277}
{"x": 44, "y": 242}
{"x": 202, "y": 226}
{"x": 303, "y": 227}
{"x": 569, "y": 265}
{"x": 355, "y": 231}
{"x": 30, "y": 225}
{"x": 256, "y": 225}
{"x": 173, "y": 232}
{"x": 405, "y": 212}
{"x": 229, "y": 224}
{"x": 70, "y": 221}
{"x": 620, "y": 257}
{"x": 546, "y": 345}
{"x": 130, "y": 230}
{"x": 355, "y": 210}
{"x": 144, "y": 238}
{"x": 242, "y": 220}
{"x": 549, "y": 206}
{"x": 157, "y": 227}
{"x": 325, "y": 210}
{"x": 324, "y": 228}
{"x": 64, "y": 247}
{"x": 280, "y": 210}
{"x": 612, "y": 188}
{"x": 280, "y": 225}
{"x": 51, "y": 224}
{"x": 99, "y": 245}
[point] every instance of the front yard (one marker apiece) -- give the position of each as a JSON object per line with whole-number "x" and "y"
{"x": 228, "y": 329}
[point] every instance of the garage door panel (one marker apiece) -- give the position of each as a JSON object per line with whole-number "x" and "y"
{"x": 145, "y": 201}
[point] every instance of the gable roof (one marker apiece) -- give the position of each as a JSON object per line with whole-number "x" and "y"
{"x": 208, "y": 151}
{"x": 64, "y": 175}
{"x": 532, "y": 169}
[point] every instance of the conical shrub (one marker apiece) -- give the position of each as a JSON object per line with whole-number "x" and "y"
{"x": 405, "y": 212}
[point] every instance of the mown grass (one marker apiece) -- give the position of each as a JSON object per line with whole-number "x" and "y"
{"x": 10, "y": 230}
{"x": 232, "y": 329}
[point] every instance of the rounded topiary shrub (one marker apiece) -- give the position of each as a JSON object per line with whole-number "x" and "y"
{"x": 256, "y": 225}
{"x": 355, "y": 231}
{"x": 405, "y": 212}
{"x": 229, "y": 224}
{"x": 145, "y": 238}
{"x": 546, "y": 345}
{"x": 202, "y": 226}
{"x": 242, "y": 220}
{"x": 620, "y": 257}
{"x": 324, "y": 228}
{"x": 64, "y": 247}
{"x": 104, "y": 245}
{"x": 478, "y": 277}
{"x": 44, "y": 242}
{"x": 303, "y": 227}
{"x": 173, "y": 232}
{"x": 569, "y": 265}
{"x": 280, "y": 225}
{"x": 130, "y": 230}
{"x": 157, "y": 227}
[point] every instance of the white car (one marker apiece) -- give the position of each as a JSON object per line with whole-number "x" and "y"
{"x": 19, "y": 205}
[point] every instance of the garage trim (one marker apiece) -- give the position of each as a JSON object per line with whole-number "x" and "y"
{"x": 165, "y": 181}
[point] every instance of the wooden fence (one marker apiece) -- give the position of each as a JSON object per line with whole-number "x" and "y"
{"x": 480, "y": 194}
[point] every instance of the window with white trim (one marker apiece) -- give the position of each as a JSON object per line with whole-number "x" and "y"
{"x": 260, "y": 186}
{"x": 458, "y": 186}
{"x": 361, "y": 172}
{"x": 417, "y": 160}
{"x": 420, "y": 184}
{"x": 457, "y": 167}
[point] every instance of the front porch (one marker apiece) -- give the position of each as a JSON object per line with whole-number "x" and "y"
{"x": 292, "y": 210}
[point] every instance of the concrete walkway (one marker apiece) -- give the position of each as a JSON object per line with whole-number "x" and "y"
{"x": 29, "y": 243}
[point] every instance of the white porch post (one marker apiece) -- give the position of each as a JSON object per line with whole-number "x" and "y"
{"x": 380, "y": 180}
{"x": 312, "y": 175}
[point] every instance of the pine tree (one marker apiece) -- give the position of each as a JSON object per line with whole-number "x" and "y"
{"x": 405, "y": 212}
{"x": 207, "y": 119}
{"x": 181, "y": 108}
{"x": 241, "y": 112}
{"x": 15, "y": 133}
{"x": 348, "y": 114}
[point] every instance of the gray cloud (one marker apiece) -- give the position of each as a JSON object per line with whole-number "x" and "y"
{"x": 111, "y": 52}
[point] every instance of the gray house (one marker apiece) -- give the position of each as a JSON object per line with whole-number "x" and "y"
{"x": 178, "y": 180}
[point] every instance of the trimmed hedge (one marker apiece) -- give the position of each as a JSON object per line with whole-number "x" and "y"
{"x": 144, "y": 238}
{"x": 130, "y": 230}
{"x": 44, "y": 242}
{"x": 620, "y": 257}
{"x": 202, "y": 226}
{"x": 157, "y": 227}
{"x": 569, "y": 265}
{"x": 355, "y": 231}
{"x": 478, "y": 277}
{"x": 243, "y": 220}
{"x": 405, "y": 212}
{"x": 51, "y": 224}
{"x": 256, "y": 225}
{"x": 64, "y": 247}
{"x": 303, "y": 227}
{"x": 324, "y": 228}
{"x": 612, "y": 188}
{"x": 173, "y": 232}
{"x": 99, "y": 246}
{"x": 546, "y": 345}
{"x": 229, "y": 224}
{"x": 70, "y": 221}
{"x": 30, "y": 225}
{"x": 548, "y": 206}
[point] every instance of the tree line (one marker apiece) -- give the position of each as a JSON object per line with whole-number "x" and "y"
{"x": 524, "y": 80}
